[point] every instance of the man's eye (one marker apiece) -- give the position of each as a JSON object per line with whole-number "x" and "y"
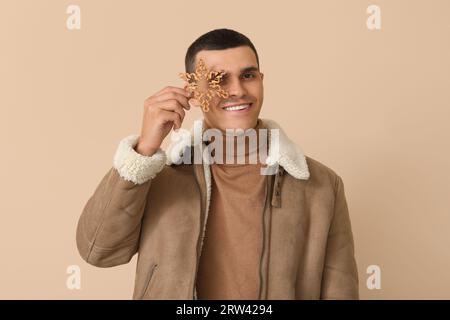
{"x": 249, "y": 75}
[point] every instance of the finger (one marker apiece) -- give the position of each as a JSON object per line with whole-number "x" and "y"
{"x": 171, "y": 105}
{"x": 194, "y": 103}
{"x": 183, "y": 100}
{"x": 174, "y": 117}
{"x": 173, "y": 89}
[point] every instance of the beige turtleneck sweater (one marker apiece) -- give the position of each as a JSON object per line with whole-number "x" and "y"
{"x": 231, "y": 252}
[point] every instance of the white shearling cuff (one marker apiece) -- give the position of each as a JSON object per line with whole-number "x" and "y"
{"x": 135, "y": 167}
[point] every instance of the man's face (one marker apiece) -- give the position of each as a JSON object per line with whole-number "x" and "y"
{"x": 244, "y": 84}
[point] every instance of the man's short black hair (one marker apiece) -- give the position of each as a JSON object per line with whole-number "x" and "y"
{"x": 218, "y": 39}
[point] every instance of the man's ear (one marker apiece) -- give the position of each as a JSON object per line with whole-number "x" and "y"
{"x": 262, "y": 76}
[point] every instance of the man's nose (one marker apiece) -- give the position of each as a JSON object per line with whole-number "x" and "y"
{"x": 235, "y": 88}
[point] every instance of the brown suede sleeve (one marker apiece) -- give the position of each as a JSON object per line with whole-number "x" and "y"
{"x": 108, "y": 229}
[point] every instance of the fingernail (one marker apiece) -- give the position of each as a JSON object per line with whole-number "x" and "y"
{"x": 193, "y": 102}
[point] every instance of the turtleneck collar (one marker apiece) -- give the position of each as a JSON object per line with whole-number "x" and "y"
{"x": 247, "y": 145}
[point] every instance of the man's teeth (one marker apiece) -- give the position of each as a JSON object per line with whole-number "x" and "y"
{"x": 234, "y": 108}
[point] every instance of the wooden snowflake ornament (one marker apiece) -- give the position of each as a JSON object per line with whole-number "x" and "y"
{"x": 204, "y": 84}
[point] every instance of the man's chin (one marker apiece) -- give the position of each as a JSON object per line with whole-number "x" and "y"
{"x": 237, "y": 124}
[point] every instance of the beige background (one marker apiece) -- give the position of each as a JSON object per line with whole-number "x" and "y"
{"x": 372, "y": 105}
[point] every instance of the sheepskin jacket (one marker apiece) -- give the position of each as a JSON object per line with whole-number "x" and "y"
{"x": 157, "y": 207}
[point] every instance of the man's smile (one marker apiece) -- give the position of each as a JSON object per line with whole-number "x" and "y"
{"x": 242, "y": 107}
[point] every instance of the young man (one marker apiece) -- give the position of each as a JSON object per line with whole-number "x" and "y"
{"x": 220, "y": 230}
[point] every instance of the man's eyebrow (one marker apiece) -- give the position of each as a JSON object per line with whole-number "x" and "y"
{"x": 248, "y": 69}
{"x": 244, "y": 70}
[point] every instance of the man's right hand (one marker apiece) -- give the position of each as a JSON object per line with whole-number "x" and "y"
{"x": 162, "y": 111}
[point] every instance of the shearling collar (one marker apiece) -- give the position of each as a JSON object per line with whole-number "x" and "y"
{"x": 291, "y": 156}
